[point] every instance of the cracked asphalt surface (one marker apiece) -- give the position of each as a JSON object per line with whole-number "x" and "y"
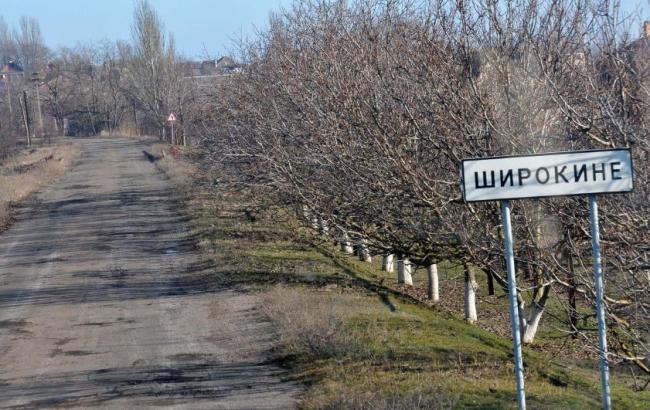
{"x": 105, "y": 302}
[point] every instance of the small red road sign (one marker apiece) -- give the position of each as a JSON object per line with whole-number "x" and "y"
{"x": 172, "y": 117}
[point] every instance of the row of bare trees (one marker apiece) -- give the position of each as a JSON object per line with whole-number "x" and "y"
{"x": 127, "y": 87}
{"x": 22, "y": 47}
{"x": 358, "y": 114}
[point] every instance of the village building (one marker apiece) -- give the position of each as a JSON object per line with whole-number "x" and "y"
{"x": 9, "y": 72}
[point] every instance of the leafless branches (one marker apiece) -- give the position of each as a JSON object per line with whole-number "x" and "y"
{"x": 360, "y": 112}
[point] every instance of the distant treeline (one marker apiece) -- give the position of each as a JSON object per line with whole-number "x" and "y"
{"x": 127, "y": 87}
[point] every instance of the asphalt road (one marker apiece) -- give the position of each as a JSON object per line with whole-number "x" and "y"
{"x": 105, "y": 302}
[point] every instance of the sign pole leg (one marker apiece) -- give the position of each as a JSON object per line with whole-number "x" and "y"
{"x": 600, "y": 310}
{"x": 514, "y": 311}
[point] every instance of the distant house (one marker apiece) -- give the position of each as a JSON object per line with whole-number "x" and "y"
{"x": 223, "y": 65}
{"x": 11, "y": 70}
{"x": 227, "y": 65}
{"x": 210, "y": 68}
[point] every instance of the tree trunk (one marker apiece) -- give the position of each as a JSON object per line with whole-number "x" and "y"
{"x": 470, "y": 295}
{"x": 364, "y": 253}
{"x": 400, "y": 271}
{"x": 387, "y": 263}
{"x": 532, "y": 324}
{"x": 323, "y": 228}
{"x": 432, "y": 274}
{"x": 408, "y": 269}
{"x": 346, "y": 246}
{"x": 521, "y": 308}
{"x": 404, "y": 270}
{"x": 314, "y": 222}
{"x": 490, "y": 282}
{"x": 135, "y": 119}
{"x": 535, "y": 315}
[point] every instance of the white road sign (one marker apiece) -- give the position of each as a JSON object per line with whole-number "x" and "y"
{"x": 543, "y": 175}
{"x": 172, "y": 117}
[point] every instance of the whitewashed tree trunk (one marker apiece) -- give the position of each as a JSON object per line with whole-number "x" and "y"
{"x": 536, "y": 311}
{"x": 404, "y": 270}
{"x": 535, "y": 314}
{"x": 364, "y": 252}
{"x": 323, "y": 228}
{"x": 387, "y": 263}
{"x": 314, "y": 222}
{"x": 346, "y": 246}
{"x": 408, "y": 269}
{"x": 432, "y": 273}
{"x": 470, "y": 295}
{"x": 521, "y": 306}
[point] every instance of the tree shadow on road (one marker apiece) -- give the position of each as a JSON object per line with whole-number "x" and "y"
{"x": 241, "y": 383}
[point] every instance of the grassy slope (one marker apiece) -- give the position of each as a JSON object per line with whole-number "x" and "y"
{"x": 29, "y": 170}
{"x": 356, "y": 343}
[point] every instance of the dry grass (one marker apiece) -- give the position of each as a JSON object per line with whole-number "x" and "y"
{"x": 314, "y": 321}
{"x": 423, "y": 396}
{"x": 172, "y": 161}
{"x": 29, "y": 171}
{"x": 319, "y": 324}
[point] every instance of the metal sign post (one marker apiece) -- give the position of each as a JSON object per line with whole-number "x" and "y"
{"x": 514, "y": 310}
{"x": 548, "y": 175}
{"x": 172, "y": 119}
{"x": 600, "y": 310}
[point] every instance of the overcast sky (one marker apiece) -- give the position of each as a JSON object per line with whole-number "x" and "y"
{"x": 199, "y": 26}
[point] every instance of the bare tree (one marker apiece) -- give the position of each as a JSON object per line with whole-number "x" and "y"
{"x": 31, "y": 51}
{"x": 152, "y": 75}
{"x": 358, "y": 115}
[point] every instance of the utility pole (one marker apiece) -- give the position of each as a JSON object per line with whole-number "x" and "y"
{"x": 36, "y": 80}
{"x": 25, "y": 112}
{"x": 172, "y": 132}
{"x": 11, "y": 110}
